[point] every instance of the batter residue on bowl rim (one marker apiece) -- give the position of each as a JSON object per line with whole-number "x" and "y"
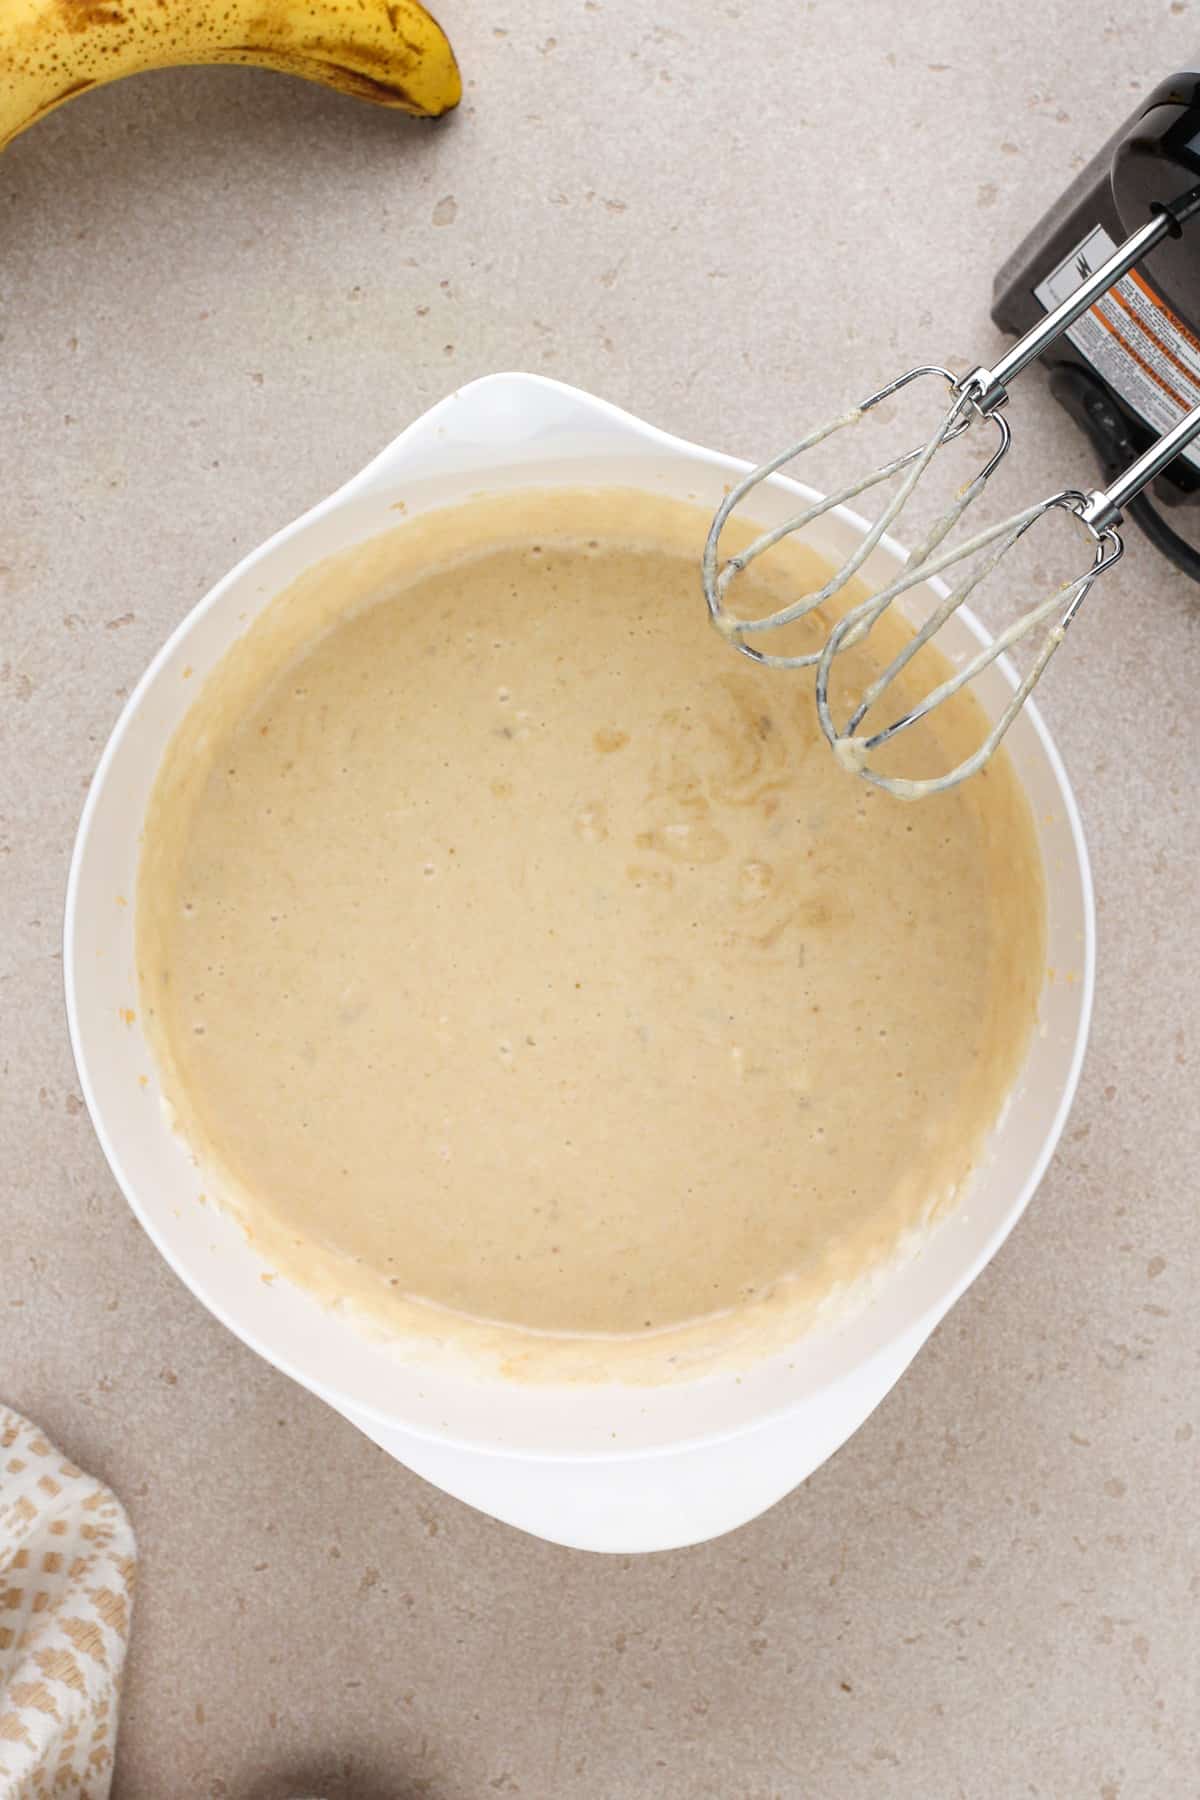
{"x": 525, "y": 972}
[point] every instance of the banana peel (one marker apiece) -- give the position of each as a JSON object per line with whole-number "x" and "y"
{"x": 391, "y": 52}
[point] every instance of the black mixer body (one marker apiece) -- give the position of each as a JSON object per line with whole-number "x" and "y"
{"x": 1130, "y": 367}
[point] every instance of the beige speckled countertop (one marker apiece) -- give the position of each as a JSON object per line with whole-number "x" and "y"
{"x": 220, "y": 292}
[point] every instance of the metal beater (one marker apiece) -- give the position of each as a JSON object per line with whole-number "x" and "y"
{"x": 974, "y": 399}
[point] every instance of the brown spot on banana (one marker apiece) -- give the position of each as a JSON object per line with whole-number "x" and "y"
{"x": 88, "y": 15}
{"x": 331, "y": 74}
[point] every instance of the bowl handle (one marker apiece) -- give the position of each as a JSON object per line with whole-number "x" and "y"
{"x": 527, "y": 418}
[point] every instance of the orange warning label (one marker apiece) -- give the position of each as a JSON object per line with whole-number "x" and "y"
{"x": 1133, "y": 341}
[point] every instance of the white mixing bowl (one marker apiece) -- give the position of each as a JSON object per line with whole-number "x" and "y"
{"x": 605, "y": 1468}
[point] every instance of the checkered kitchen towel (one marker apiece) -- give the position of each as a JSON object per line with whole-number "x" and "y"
{"x": 67, "y": 1566}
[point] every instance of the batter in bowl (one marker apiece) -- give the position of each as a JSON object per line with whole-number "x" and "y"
{"x": 526, "y": 973}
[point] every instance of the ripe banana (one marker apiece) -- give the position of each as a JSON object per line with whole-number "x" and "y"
{"x": 388, "y": 51}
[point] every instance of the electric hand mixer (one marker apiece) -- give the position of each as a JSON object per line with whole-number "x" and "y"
{"x": 975, "y": 400}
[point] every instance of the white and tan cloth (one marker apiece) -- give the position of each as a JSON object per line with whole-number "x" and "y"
{"x": 67, "y": 1567}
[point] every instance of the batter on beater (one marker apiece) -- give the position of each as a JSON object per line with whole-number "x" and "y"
{"x": 524, "y": 971}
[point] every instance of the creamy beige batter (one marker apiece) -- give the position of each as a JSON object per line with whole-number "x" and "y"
{"x": 523, "y": 967}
